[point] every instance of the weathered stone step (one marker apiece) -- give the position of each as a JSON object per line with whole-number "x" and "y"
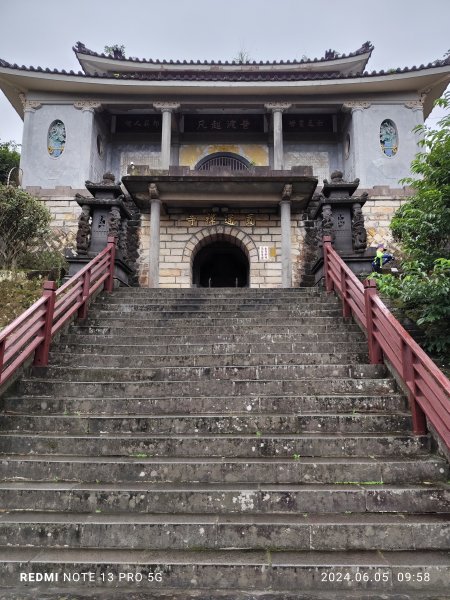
{"x": 154, "y": 327}
{"x": 332, "y": 314}
{"x": 211, "y": 373}
{"x": 348, "y": 470}
{"x": 174, "y": 424}
{"x": 233, "y": 570}
{"x": 223, "y": 404}
{"x": 288, "y": 446}
{"x": 325, "y": 533}
{"x": 331, "y": 352}
{"x": 226, "y": 306}
{"x": 122, "y": 359}
{"x": 242, "y": 498}
{"x": 164, "y": 336}
{"x": 204, "y": 293}
{"x": 205, "y": 387}
{"x": 134, "y": 321}
{"x": 84, "y": 593}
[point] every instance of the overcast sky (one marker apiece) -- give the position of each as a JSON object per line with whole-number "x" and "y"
{"x": 42, "y": 32}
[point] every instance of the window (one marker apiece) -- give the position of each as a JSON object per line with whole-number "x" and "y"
{"x": 389, "y": 138}
{"x": 56, "y": 138}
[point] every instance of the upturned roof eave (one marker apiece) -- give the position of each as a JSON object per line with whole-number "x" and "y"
{"x": 14, "y": 81}
{"x": 92, "y": 62}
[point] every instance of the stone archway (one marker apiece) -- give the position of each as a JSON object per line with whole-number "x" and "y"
{"x": 221, "y": 240}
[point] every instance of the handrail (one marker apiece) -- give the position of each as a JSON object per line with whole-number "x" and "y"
{"x": 428, "y": 388}
{"x": 33, "y": 330}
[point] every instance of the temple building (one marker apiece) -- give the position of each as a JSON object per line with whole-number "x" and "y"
{"x": 211, "y": 173}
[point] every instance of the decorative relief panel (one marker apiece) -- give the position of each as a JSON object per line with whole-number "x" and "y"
{"x": 389, "y": 138}
{"x": 56, "y": 138}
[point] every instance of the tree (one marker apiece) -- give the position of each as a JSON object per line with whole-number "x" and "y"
{"x": 9, "y": 158}
{"x": 243, "y": 57}
{"x": 422, "y": 227}
{"x": 24, "y": 225}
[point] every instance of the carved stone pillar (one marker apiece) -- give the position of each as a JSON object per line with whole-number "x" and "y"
{"x": 286, "y": 256}
{"x": 155, "y": 216}
{"x": 166, "y": 108}
{"x": 277, "y": 109}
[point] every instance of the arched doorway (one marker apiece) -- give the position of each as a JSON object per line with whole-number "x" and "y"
{"x": 220, "y": 264}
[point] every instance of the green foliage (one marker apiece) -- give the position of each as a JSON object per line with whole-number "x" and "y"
{"x": 422, "y": 227}
{"x": 17, "y": 295}
{"x": 115, "y": 51}
{"x": 24, "y": 223}
{"x": 9, "y": 158}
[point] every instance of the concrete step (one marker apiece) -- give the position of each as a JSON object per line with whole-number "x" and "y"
{"x": 205, "y": 387}
{"x": 253, "y": 571}
{"x": 309, "y": 470}
{"x": 242, "y": 498}
{"x": 306, "y": 532}
{"x": 257, "y": 445}
{"x": 294, "y": 404}
{"x": 121, "y": 359}
{"x": 211, "y": 373}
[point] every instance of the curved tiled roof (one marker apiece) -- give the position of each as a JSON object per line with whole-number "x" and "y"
{"x": 330, "y": 55}
{"x": 189, "y": 75}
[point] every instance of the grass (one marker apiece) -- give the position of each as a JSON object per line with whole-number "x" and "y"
{"x": 16, "y": 297}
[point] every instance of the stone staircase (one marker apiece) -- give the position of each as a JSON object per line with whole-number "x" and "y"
{"x": 218, "y": 444}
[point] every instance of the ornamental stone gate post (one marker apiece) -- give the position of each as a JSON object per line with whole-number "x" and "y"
{"x": 102, "y": 215}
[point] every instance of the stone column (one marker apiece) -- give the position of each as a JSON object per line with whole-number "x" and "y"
{"x": 155, "y": 214}
{"x": 286, "y": 252}
{"x": 29, "y": 108}
{"x": 417, "y": 107}
{"x": 166, "y": 108}
{"x": 88, "y": 108}
{"x": 358, "y": 135}
{"x": 277, "y": 109}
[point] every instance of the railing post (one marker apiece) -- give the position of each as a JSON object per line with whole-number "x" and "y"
{"x": 83, "y": 310}
{"x": 41, "y": 354}
{"x": 346, "y": 311}
{"x": 329, "y": 286}
{"x": 2, "y": 356}
{"x": 375, "y": 352}
{"x": 109, "y": 282}
{"x": 408, "y": 374}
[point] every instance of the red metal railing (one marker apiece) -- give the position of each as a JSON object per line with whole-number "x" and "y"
{"x": 34, "y": 329}
{"x": 428, "y": 388}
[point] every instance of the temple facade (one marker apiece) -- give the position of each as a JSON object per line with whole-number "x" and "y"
{"x": 211, "y": 173}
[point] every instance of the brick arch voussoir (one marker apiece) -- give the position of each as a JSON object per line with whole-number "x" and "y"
{"x": 205, "y": 236}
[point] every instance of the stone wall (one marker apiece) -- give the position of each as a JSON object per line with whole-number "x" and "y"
{"x": 378, "y": 212}
{"x": 177, "y": 234}
{"x": 180, "y": 240}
